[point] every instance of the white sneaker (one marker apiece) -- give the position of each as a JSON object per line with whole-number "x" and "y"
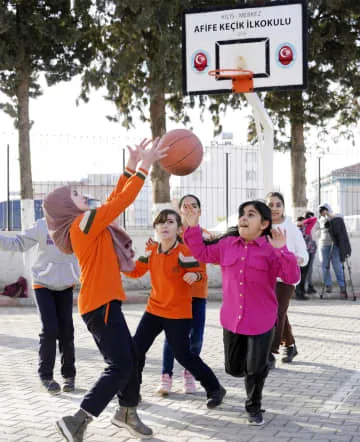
{"x": 165, "y": 385}
{"x": 189, "y": 383}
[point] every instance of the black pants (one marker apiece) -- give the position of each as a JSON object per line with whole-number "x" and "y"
{"x": 248, "y": 356}
{"x": 300, "y": 288}
{"x": 56, "y": 308}
{"x": 112, "y": 336}
{"x": 177, "y": 334}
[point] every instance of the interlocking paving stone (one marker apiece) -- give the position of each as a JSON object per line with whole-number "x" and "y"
{"x": 317, "y": 397}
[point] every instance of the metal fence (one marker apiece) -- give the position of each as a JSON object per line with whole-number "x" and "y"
{"x": 228, "y": 175}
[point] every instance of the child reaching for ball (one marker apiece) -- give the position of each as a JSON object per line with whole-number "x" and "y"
{"x": 173, "y": 271}
{"x": 103, "y": 249}
{"x": 251, "y": 257}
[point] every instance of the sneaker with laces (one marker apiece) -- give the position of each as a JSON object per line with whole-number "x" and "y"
{"x": 127, "y": 417}
{"x": 72, "y": 428}
{"x": 68, "y": 385}
{"x": 165, "y": 385}
{"x": 255, "y": 418}
{"x": 189, "y": 383}
{"x": 51, "y": 386}
{"x": 289, "y": 353}
{"x": 216, "y": 397}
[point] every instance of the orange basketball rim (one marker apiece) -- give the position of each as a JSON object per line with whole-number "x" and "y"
{"x": 242, "y": 79}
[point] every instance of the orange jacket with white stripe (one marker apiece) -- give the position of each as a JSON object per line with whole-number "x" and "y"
{"x": 170, "y": 296}
{"x": 93, "y": 246}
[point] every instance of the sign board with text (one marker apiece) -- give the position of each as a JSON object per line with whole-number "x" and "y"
{"x": 268, "y": 40}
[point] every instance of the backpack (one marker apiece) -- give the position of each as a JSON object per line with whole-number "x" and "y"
{"x": 16, "y": 289}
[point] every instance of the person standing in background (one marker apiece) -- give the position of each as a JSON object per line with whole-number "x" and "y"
{"x": 310, "y": 223}
{"x": 54, "y": 274}
{"x": 334, "y": 247}
{"x": 305, "y": 225}
{"x": 284, "y": 292}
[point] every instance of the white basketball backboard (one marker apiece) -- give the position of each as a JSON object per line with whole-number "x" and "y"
{"x": 269, "y": 40}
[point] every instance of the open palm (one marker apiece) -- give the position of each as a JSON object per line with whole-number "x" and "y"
{"x": 278, "y": 239}
{"x": 191, "y": 215}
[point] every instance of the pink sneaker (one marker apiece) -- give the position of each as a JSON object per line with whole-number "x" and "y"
{"x": 189, "y": 383}
{"x": 165, "y": 385}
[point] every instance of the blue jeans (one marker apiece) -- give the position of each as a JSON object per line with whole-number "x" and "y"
{"x": 55, "y": 308}
{"x": 177, "y": 333}
{"x": 325, "y": 259}
{"x": 111, "y": 334}
{"x": 196, "y": 335}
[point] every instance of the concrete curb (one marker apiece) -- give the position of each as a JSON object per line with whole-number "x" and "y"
{"x": 140, "y": 296}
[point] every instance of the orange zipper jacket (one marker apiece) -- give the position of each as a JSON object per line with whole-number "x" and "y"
{"x": 92, "y": 244}
{"x": 170, "y": 295}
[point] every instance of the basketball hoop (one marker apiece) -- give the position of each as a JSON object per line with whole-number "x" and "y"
{"x": 242, "y": 79}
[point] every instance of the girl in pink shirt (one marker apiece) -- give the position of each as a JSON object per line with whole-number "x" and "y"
{"x": 251, "y": 257}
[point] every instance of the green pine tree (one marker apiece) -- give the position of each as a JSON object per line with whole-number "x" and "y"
{"x": 40, "y": 37}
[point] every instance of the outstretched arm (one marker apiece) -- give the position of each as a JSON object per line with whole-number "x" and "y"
{"x": 20, "y": 242}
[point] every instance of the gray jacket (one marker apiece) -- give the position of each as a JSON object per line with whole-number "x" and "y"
{"x": 52, "y": 268}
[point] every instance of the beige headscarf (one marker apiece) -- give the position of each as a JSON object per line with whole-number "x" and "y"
{"x": 61, "y": 211}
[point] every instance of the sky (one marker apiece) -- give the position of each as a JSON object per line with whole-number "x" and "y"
{"x": 70, "y": 141}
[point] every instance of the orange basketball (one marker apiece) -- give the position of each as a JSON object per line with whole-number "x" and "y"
{"x": 184, "y": 154}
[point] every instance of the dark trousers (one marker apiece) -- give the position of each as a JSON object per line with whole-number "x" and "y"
{"x": 248, "y": 356}
{"x": 55, "y": 308}
{"x": 111, "y": 334}
{"x": 196, "y": 335}
{"x": 300, "y": 288}
{"x": 310, "y": 271}
{"x": 177, "y": 333}
{"x": 283, "y": 332}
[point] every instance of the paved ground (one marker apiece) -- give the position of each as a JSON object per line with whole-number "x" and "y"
{"x": 315, "y": 398}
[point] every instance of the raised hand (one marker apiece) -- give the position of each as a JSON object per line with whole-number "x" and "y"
{"x": 278, "y": 239}
{"x": 135, "y": 154}
{"x": 155, "y": 153}
{"x": 191, "y": 215}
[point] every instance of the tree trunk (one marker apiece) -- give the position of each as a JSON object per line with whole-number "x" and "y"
{"x": 298, "y": 160}
{"x": 22, "y": 93}
{"x": 160, "y": 179}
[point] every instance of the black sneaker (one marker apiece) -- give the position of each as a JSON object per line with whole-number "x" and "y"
{"x": 328, "y": 289}
{"x": 68, "y": 385}
{"x": 301, "y": 297}
{"x": 51, "y": 386}
{"x": 216, "y": 397}
{"x": 255, "y": 418}
{"x": 290, "y": 353}
{"x": 271, "y": 362}
{"x": 311, "y": 290}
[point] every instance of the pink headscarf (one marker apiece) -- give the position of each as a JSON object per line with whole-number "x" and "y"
{"x": 61, "y": 211}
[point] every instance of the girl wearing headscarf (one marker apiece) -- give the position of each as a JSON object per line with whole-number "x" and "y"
{"x": 103, "y": 249}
